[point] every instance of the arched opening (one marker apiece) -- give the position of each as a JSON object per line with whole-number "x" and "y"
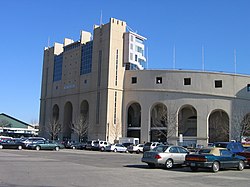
{"x": 159, "y": 126}
{"x": 82, "y": 127}
{"x": 187, "y": 125}
{"x": 218, "y": 126}
{"x": 68, "y": 111}
{"x": 134, "y": 121}
{"x": 187, "y": 121}
{"x": 245, "y": 125}
{"x": 55, "y": 114}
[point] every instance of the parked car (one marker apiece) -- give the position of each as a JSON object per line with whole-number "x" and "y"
{"x": 165, "y": 155}
{"x": 235, "y": 147}
{"x": 100, "y": 145}
{"x": 44, "y": 145}
{"x": 136, "y": 148}
{"x": 150, "y": 145}
{"x": 116, "y": 148}
{"x": 127, "y": 144}
{"x": 75, "y": 145}
{"x": 215, "y": 158}
{"x": 246, "y": 154}
{"x": 30, "y": 140}
{"x": 90, "y": 145}
{"x": 11, "y": 144}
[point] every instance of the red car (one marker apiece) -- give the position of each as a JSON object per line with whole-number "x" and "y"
{"x": 246, "y": 153}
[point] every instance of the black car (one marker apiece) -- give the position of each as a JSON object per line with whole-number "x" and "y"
{"x": 75, "y": 145}
{"x": 11, "y": 144}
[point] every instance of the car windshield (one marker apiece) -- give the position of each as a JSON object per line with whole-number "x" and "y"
{"x": 160, "y": 149}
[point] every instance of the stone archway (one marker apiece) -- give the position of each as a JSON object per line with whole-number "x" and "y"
{"x": 218, "y": 129}
{"x": 159, "y": 131}
{"x": 187, "y": 121}
{"x": 134, "y": 121}
{"x": 68, "y": 112}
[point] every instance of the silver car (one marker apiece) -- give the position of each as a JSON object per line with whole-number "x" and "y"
{"x": 165, "y": 155}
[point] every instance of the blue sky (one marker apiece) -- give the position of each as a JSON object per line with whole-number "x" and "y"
{"x": 220, "y": 26}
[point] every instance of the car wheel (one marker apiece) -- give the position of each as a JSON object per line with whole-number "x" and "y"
{"x": 115, "y": 150}
{"x": 57, "y": 148}
{"x": 193, "y": 168}
{"x": 38, "y": 148}
{"x": 19, "y": 147}
{"x": 73, "y": 147}
{"x": 151, "y": 165}
{"x": 1, "y": 146}
{"x": 241, "y": 165}
{"x": 216, "y": 166}
{"x": 102, "y": 149}
{"x": 169, "y": 163}
{"x": 138, "y": 151}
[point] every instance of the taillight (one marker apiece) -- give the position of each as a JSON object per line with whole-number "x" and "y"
{"x": 157, "y": 157}
{"x": 198, "y": 159}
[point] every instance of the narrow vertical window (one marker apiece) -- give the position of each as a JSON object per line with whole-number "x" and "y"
{"x": 99, "y": 68}
{"x": 116, "y": 67}
{"x": 97, "y": 107}
{"x": 115, "y": 107}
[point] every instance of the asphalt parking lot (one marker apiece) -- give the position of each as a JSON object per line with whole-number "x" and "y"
{"x": 30, "y": 168}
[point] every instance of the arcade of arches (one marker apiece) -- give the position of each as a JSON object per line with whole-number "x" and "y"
{"x": 164, "y": 123}
{"x": 66, "y": 129}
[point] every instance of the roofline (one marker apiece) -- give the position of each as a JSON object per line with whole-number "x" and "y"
{"x": 16, "y": 120}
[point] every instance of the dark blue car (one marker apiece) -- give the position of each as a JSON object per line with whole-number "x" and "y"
{"x": 215, "y": 158}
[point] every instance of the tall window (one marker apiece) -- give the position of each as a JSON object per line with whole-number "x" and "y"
{"x": 115, "y": 107}
{"x": 99, "y": 68}
{"x": 86, "y": 60}
{"x": 57, "y": 74}
{"x": 116, "y": 67}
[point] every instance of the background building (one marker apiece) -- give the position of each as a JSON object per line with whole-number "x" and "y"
{"x": 13, "y": 127}
{"x": 99, "y": 89}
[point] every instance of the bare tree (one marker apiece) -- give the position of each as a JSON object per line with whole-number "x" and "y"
{"x": 240, "y": 125}
{"x": 53, "y": 128}
{"x": 219, "y": 127}
{"x": 115, "y": 130}
{"x": 164, "y": 123}
{"x": 80, "y": 127}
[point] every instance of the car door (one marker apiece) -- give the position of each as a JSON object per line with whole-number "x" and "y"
{"x": 227, "y": 159}
{"x": 174, "y": 154}
{"x": 183, "y": 152}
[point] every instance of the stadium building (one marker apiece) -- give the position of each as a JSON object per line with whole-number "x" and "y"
{"x": 101, "y": 82}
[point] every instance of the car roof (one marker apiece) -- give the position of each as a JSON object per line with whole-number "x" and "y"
{"x": 214, "y": 150}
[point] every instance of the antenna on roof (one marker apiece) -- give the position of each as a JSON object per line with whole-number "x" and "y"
{"x": 48, "y": 41}
{"x": 202, "y": 58}
{"x": 101, "y": 18}
{"x": 174, "y": 57}
{"x": 147, "y": 58}
{"x": 129, "y": 29}
{"x": 234, "y": 61}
